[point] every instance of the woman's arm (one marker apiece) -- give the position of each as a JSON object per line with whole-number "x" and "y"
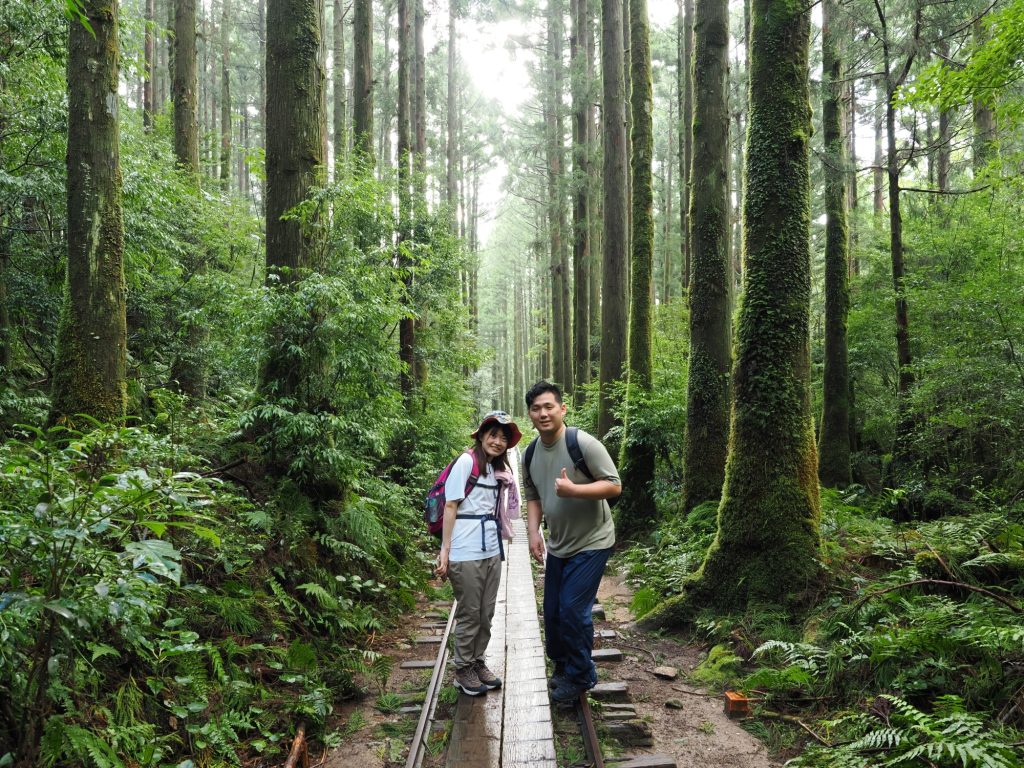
{"x": 450, "y": 510}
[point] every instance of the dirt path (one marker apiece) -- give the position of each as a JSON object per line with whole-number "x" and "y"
{"x": 699, "y": 733}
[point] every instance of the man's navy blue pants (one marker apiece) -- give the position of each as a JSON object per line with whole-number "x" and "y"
{"x": 570, "y": 586}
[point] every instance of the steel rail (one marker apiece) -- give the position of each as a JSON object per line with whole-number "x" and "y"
{"x": 589, "y": 732}
{"x": 418, "y": 747}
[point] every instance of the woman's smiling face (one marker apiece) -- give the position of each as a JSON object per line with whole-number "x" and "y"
{"x": 495, "y": 442}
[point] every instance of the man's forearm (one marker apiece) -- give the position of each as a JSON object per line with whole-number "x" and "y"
{"x": 599, "y": 489}
{"x": 533, "y": 514}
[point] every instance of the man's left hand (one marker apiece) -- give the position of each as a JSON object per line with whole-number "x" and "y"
{"x": 564, "y": 487}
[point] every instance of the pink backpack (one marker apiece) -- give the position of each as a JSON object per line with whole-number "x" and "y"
{"x": 433, "y": 505}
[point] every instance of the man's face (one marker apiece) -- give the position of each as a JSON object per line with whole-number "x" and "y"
{"x": 547, "y": 414}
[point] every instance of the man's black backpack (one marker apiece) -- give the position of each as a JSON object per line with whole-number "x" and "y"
{"x": 572, "y": 443}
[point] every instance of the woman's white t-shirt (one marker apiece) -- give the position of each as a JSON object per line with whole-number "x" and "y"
{"x": 482, "y": 500}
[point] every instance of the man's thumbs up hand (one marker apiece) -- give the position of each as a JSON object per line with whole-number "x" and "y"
{"x": 563, "y": 485}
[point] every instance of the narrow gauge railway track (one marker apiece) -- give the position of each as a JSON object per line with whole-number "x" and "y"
{"x": 421, "y": 737}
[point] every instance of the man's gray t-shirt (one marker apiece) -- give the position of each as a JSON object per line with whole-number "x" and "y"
{"x": 574, "y": 525}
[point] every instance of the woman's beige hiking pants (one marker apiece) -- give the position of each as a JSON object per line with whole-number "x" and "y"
{"x": 475, "y": 583}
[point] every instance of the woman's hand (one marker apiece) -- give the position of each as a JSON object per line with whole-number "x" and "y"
{"x": 441, "y": 570}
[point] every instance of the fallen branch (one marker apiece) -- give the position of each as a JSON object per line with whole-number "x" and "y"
{"x": 298, "y": 749}
{"x": 916, "y": 582}
{"x": 790, "y": 719}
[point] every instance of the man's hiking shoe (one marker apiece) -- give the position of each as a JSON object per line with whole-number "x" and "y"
{"x": 467, "y": 681}
{"x": 557, "y": 679}
{"x": 567, "y": 692}
{"x": 488, "y": 679}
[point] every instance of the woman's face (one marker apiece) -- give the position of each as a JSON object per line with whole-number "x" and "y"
{"x": 495, "y": 442}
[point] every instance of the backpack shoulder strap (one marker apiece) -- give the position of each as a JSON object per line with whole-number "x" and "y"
{"x": 528, "y": 456}
{"x": 474, "y": 472}
{"x": 572, "y": 443}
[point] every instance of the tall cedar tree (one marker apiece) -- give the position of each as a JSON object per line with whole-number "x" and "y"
{"x": 92, "y": 342}
{"x": 148, "y": 58}
{"x": 707, "y": 394}
{"x": 362, "y": 80}
{"x": 834, "y": 437}
{"x": 184, "y": 94}
{"x": 636, "y": 510}
{"x": 766, "y": 548}
{"x": 581, "y": 120}
{"x": 616, "y": 234}
{"x": 225, "y": 96}
{"x": 295, "y": 146}
{"x": 188, "y": 369}
{"x": 685, "y": 66}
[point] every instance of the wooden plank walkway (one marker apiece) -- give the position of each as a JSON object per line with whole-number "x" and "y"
{"x": 509, "y": 727}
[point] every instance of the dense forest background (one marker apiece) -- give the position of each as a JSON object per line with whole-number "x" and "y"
{"x": 263, "y": 261}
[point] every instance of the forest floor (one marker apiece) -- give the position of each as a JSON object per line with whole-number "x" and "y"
{"x": 685, "y": 721}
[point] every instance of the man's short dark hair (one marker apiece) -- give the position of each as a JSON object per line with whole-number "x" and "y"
{"x": 539, "y": 389}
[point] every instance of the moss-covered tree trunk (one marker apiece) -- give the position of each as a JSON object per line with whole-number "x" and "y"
{"x": 614, "y": 206}
{"x": 89, "y": 374}
{"x": 407, "y": 325}
{"x": 295, "y": 125}
{"x": 766, "y": 548}
{"x": 707, "y": 392}
{"x": 581, "y": 119}
{"x": 983, "y": 114}
{"x": 362, "y": 80}
{"x": 636, "y": 511}
{"x": 834, "y": 437}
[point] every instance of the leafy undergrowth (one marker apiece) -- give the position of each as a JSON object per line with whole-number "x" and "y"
{"x": 913, "y": 655}
{"x": 151, "y": 614}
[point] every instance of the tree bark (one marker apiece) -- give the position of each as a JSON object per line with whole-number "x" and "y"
{"x": 186, "y": 127}
{"x": 560, "y": 340}
{"x": 616, "y": 239}
{"x": 362, "y": 81}
{"x": 984, "y": 117}
{"x": 834, "y": 437}
{"x": 766, "y": 548}
{"x": 707, "y": 394}
{"x": 636, "y": 510}
{"x": 92, "y": 335}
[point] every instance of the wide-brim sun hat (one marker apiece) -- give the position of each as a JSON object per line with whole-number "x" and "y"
{"x": 502, "y": 418}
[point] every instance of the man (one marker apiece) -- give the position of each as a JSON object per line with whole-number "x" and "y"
{"x": 580, "y": 536}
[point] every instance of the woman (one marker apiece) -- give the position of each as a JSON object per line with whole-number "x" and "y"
{"x": 471, "y": 546}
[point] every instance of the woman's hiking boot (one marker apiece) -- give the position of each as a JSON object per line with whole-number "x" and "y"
{"x": 487, "y": 678}
{"x": 467, "y": 681}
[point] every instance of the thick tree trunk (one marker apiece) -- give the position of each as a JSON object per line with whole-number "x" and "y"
{"x": 451, "y": 191}
{"x": 362, "y": 80}
{"x": 766, "y": 549}
{"x": 186, "y": 127}
{"x": 851, "y": 176}
{"x": 834, "y": 437}
{"x": 578, "y": 49}
{"x": 89, "y": 373}
{"x": 636, "y": 511}
{"x": 616, "y": 235}
{"x": 707, "y": 398}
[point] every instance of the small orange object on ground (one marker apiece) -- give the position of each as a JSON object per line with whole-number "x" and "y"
{"x": 736, "y": 704}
